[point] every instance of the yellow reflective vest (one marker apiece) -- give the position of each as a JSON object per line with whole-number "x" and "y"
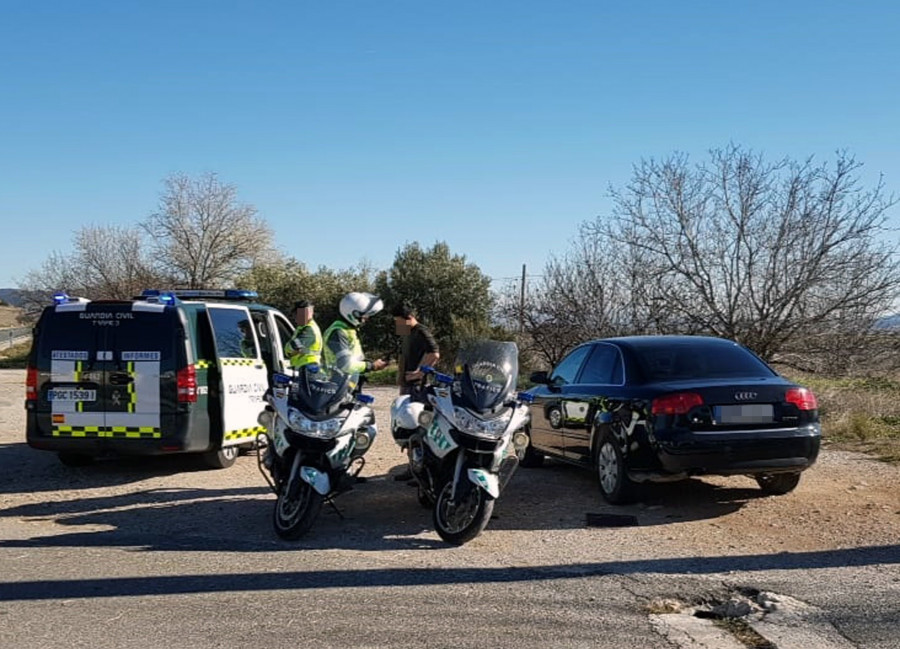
{"x": 305, "y": 345}
{"x": 342, "y": 349}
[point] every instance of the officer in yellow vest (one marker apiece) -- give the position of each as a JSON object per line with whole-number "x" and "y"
{"x": 342, "y": 349}
{"x": 305, "y": 345}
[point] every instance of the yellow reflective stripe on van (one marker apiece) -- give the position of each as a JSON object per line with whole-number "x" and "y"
{"x": 117, "y": 432}
{"x": 132, "y": 391}
{"x": 245, "y": 432}
{"x": 239, "y": 361}
{"x": 202, "y": 365}
{"x": 79, "y": 405}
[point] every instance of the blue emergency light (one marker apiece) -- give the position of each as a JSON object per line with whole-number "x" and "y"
{"x": 60, "y": 297}
{"x": 240, "y": 294}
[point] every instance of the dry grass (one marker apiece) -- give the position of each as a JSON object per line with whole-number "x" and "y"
{"x": 15, "y": 357}
{"x": 859, "y": 414}
{"x": 9, "y": 317}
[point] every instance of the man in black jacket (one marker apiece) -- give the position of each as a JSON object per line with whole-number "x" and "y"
{"x": 417, "y": 349}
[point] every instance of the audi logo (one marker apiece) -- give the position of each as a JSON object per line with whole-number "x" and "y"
{"x": 744, "y": 396}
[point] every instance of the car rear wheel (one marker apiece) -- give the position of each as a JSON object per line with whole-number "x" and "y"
{"x": 777, "y": 484}
{"x": 615, "y": 485}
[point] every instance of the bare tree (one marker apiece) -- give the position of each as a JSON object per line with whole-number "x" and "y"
{"x": 784, "y": 257}
{"x": 203, "y": 237}
{"x": 106, "y": 262}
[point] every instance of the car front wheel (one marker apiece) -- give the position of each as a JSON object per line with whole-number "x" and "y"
{"x": 615, "y": 485}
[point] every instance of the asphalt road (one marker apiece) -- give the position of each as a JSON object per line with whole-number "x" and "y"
{"x": 157, "y": 553}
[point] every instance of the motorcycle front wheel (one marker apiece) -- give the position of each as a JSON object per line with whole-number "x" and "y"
{"x": 294, "y": 515}
{"x": 459, "y": 520}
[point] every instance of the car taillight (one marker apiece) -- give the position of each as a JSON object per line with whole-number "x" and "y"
{"x": 31, "y": 384}
{"x": 187, "y": 384}
{"x": 803, "y": 398}
{"x": 676, "y": 404}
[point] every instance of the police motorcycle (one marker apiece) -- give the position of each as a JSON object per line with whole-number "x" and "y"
{"x": 319, "y": 426}
{"x": 464, "y": 436}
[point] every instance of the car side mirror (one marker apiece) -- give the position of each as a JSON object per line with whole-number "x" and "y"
{"x": 539, "y": 378}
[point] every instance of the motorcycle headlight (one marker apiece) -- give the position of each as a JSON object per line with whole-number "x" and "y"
{"x": 264, "y": 419}
{"x": 485, "y": 428}
{"x": 325, "y": 429}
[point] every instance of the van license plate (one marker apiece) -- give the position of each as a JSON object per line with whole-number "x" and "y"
{"x": 71, "y": 394}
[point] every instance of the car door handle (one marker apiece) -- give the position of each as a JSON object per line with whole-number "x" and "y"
{"x": 120, "y": 378}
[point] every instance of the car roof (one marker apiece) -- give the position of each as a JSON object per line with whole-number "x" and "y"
{"x": 637, "y": 342}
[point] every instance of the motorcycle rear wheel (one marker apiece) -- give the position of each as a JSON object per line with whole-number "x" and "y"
{"x": 461, "y": 519}
{"x": 295, "y": 516}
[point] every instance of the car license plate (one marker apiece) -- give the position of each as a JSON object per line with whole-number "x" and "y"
{"x": 71, "y": 394}
{"x": 746, "y": 413}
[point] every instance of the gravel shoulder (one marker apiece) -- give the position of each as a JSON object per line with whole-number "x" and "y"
{"x": 846, "y": 500}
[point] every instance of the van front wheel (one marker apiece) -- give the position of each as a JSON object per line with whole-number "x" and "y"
{"x": 220, "y": 458}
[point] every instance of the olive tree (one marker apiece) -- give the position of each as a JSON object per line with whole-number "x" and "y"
{"x": 449, "y": 294}
{"x": 283, "y": 282}
{"x": 202, "y": 235}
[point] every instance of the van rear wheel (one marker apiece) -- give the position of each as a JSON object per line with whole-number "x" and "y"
{"x": 76, "y": 459}
{"x": 220, "y": 458}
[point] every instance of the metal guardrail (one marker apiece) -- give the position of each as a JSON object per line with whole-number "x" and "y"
{"x": 14, "y": 335}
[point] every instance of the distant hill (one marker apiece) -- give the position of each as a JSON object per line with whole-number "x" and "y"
{"x": 11, "y": 296}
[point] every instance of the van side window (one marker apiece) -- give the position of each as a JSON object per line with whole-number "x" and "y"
{"x": 234, "y": 333}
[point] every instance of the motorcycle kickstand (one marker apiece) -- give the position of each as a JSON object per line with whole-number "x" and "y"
{"x": 330, "y": 502}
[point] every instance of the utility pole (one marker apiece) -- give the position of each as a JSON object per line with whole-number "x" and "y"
{"x": 522, "y": 302}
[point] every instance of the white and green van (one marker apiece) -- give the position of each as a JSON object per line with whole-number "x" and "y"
{"x": 167, "y": 372}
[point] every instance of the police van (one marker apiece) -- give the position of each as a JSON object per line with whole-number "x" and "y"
{"x": 166, "y": 372}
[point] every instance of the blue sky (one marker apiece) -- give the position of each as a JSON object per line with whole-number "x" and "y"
{"x": 356, "y": 127}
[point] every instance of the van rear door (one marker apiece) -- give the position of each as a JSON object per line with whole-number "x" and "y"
{"x": 100, "y": 367}
{"x": 142, "y": 359}
{"x": 244, "y": 376}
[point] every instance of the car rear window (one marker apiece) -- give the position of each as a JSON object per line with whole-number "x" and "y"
{"x": 674, "y": 361}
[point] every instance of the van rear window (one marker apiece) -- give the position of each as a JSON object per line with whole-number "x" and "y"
{"x": 106, "y": 332}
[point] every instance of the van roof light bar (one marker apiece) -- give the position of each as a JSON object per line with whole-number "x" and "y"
{"x": 61, "y": 297}
{"x": 200, "y": 293}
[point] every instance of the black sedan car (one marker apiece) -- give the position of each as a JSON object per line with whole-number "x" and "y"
{"x": 661, "y": 408}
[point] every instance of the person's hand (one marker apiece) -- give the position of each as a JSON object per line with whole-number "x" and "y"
{"x": 413, "y": 375}
{"x": 380, "y": 364}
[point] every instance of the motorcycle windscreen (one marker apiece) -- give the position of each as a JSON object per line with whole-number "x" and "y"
{"x": 486, "y": 371}
{"x": 318, "y": 392}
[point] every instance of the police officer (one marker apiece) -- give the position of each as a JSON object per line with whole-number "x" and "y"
{"x": 305, "y": 345}
{"x": 342, "y": 349}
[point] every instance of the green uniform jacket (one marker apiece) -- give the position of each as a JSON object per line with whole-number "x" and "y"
{"x": 305, "y": 346}
{"x": 342, "y": 349}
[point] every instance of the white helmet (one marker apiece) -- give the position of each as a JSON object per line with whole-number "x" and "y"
{"x": 355, "y": 306}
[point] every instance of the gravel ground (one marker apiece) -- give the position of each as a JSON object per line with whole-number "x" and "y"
{"x": 150, "y": 552}
{"x": 846, "y": 500}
